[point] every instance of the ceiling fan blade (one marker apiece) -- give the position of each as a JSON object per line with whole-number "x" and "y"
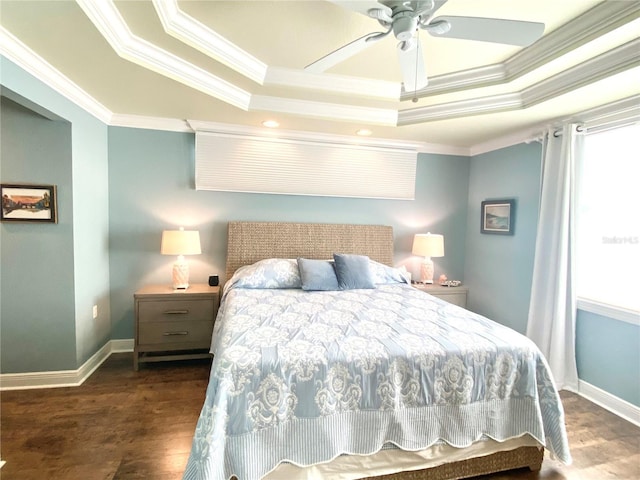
{"x": 414, "y": 72}
{"x": 344, "y": 52}
{"x": 364, "y": 6}
{"x": 495, "y": 30}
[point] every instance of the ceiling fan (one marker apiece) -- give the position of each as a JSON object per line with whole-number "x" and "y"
{"x": 406, "y": 18}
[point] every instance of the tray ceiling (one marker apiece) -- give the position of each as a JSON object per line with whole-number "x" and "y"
{"x": 165, "y": 62}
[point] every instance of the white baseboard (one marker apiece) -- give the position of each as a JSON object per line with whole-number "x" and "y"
{"x": 64, "y": 378}
{"x": 610, "y": 402}
{"x": 122, "y": 345}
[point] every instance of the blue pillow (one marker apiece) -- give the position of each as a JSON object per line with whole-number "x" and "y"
{"x": 353, "y": 271}
{"x": 317, "y": 274}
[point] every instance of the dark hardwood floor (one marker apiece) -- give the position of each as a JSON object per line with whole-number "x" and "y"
{"x": 122, "y": 425}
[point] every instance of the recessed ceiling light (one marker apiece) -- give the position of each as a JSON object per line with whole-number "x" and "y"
{"x": 364, "y": 132}
{"x": 270, "y": 124}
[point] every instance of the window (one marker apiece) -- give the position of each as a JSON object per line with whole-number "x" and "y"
{"x": 608, "y": 221}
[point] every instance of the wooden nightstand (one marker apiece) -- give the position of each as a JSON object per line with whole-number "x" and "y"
{"x": 174, "y": 324}
{"x": 455, "y": 295}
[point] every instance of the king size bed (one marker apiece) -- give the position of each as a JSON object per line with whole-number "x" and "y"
{"x": 328, "y": 365}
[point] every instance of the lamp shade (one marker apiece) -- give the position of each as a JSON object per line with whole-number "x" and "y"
{"x": 428, "y": 245}
{"x": 180, "y": 242}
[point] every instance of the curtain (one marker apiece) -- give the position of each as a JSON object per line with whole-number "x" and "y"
{"x": 552, "y": 311}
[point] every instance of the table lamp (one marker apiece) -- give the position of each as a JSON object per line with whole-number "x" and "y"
{"x": 180, "y": 242}
{"x": 427, "y": 245}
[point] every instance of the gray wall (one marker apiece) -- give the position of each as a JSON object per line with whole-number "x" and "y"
{"x": 151, "y": 179}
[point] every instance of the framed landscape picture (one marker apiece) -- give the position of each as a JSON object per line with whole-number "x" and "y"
{"x": 28, "y": 203}
{"x": 498, "y": 216}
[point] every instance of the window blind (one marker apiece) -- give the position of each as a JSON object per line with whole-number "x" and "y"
{"x": 245, "y": 163}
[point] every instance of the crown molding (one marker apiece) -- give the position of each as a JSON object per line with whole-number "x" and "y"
{"x": 624, "y": 111}
{"x": 243, "y": 130}
{"x": 601, "y": 19}
{"x": 16, "y": 51}
{"x": 440, "y": 149}
{"x": 339, "y": 84}
{"x": 150, "y": 123}
{"x": 604, "y": 65}
{"x": 596, "y": 22}
{"x": 608, "y": 63}
{"x": 327, "y": 111}
{"x": 187, "y": 29}
{"x": 107, "y": 19}
{"x": 461, "y": 108}
{"x": 621, "y": 112}
{"x": 192, "y": 32}
{"x": 476, "y": 77}
{"x": 528, "y": 135}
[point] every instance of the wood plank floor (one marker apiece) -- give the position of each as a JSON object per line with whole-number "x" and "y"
{"x": 122, "y": 425}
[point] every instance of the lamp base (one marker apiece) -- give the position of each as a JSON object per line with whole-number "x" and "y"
{"x": 426, "y": 271}
{"x": 180, "y": 276}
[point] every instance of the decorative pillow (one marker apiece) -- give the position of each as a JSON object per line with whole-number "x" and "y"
{"x": 268, "y": 273}
{"x": 317, "y": 274}
{"x": 383, "y": 274}
{"x": 353, "y": 271}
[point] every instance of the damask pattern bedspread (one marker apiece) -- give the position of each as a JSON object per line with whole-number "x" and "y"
{"x": 304, "y": 376}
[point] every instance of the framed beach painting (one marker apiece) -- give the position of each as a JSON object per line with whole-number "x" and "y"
{"x": 498, "y": 216}
{"x": 28, "y": 203}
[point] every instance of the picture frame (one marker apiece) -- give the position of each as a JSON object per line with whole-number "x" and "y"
{"x": 28, "y": 203}
{"x": 497, "y": 217}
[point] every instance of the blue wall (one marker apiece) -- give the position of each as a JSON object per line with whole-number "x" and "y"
{"x": 499, "y": 268}
{"x": 153, "y": 172}
{"x": 608, "y": 355}
{"x": 119, "y": 188}
{"x": 499, "y": 271}
{"x": 37, "y": 329}
{"x": 78, "y": 277}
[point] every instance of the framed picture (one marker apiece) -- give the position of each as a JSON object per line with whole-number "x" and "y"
{"x": 29, "y": 203}
{"x": 498, "y": 216}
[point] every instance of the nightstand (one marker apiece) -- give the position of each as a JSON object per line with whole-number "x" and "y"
{"x": 455, "y": 295}
{"x": 174, "y": 324}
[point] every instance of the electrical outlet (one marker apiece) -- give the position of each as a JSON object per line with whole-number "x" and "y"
{"x": 95, "y": 311}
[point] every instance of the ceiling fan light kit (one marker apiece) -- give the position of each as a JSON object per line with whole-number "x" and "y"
{"x": 406, "y": 18}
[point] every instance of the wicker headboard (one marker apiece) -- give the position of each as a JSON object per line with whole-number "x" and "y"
{"x": 249, "y": 242}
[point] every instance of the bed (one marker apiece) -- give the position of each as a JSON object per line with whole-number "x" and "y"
{"x": 367, "y": 380}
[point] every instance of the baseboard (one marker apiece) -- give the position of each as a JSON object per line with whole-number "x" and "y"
{"x": 122, "y": 345}
{"x": 610, "y": 402}
{"x": 64, "y": 378}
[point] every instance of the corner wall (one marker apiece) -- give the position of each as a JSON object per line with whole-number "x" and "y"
{"x": 83, "y": 280}
{"x": 499, "y": 268}
{"x": 37, "y": 313}
{"x": 499, "y": 272}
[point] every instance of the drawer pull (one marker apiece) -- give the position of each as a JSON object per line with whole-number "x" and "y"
{"x": 176, "y": 312}
{"x": 169, "y": 334}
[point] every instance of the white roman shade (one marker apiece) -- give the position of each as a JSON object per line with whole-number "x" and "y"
{"x": 247, "y": 163}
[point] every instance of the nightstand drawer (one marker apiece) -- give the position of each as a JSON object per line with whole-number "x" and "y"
{"x": 176, "y": 311}
{"x": 161, "y": 333}
{"x": 174, "y": 324}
